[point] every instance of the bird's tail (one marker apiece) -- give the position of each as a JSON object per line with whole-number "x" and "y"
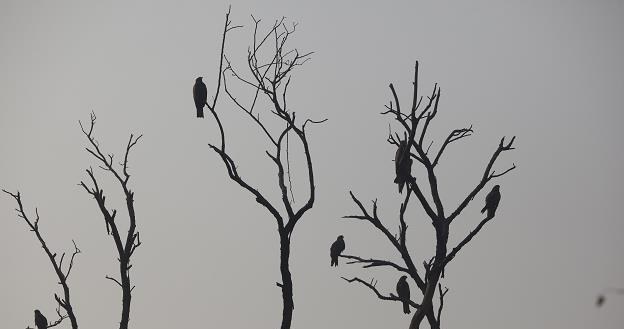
{"x": 334, "y": 262}
{"x": 401, "y": 183}
{"x": 200, "y": 112}
{"x": 406, "y": 308}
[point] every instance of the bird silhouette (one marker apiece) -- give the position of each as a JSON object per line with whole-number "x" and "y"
{"x": 491, "y": 201}
{"x": 336, "y": 249}
{"x": 402, "y": 165}
{"x": 40, "y": 321}
{"x": 200, "y": 94}
{"x": 403, "y": 290}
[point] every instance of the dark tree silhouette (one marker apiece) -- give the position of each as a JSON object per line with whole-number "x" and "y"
{"x": 414, "y": 124}
{"x": 269, "y": 78}
{"x": 61, "y": 274}
{"x": 125, "y": 245}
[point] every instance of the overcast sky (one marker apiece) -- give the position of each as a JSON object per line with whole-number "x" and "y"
{"x": 549, "y": 72}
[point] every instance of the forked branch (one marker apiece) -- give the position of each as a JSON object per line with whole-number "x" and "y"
{"x": 62, "y": 275}
{"x": 410, "y": 144}
{"x": 269, "y": 77}
{"x": 488, "y": 175}
{"x": 373, "y": 286}
{"x": 125, "y": 245}
{"x": 367, "y": 263}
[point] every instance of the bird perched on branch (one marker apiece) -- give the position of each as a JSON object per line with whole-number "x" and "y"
{"x": 491, "y": 201}
{"x": 336, "y": 249}
{"x": 200, "y": 94}
{"x": 40, "y": 321}
{"x": 403, "y": 290}
{"x": 402, "y": 165}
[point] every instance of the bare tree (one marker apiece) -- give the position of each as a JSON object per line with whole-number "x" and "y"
{"x": 269, "y": 77}
{"x": 61, "y": 274}
{"x": 125, "y": 245}
{"x": 414, "y": 124}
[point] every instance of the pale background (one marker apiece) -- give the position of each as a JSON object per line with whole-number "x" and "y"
{"x": 549, "y": 72}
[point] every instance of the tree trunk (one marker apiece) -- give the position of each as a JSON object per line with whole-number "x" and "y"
{"x": 433, "y": 276}
{"x": 286, "y": 285}
{"x": 69, "y": 309}
{"x": 126, "y": 295}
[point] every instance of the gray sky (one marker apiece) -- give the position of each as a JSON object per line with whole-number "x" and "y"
{"x": 549, "y": 72}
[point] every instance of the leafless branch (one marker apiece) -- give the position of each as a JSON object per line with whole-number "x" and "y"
{"x": 373, "y": 286}
{"x": 125, "y": 245}
{"x": 227, "y": 27}
{"x": 488, "y": 175}
{"x": 71, "y": 261}
{"x": 64, "y": 302}
{"x": 396, "y": 243}
{"x": 455, "y": 135}
{"x": 441, "y": 294}
{"x": 373, "y": 263}
{"x": 269, "y": 68}
{"x": 114, "y": 280}
{"x": 414, "y": 125}
{"x": 466, "y": 239}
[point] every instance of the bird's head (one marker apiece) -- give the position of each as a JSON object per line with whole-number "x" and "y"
{"x": 496, "y": 187}
{"x": 403, "y": 278}
{"x": 199, "y": 79}
{"x": 340, "y": 237}
{"x": 37, "y": 312}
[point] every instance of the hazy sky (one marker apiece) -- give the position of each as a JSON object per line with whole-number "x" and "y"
{"x": 549, "y": 72}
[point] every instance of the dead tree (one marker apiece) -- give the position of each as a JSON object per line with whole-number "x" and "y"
{"x": 61, "y": 274}
{"x": 125, "y": 245}
{"x": 414, "y": 124}
{"x": 268, "y": 78}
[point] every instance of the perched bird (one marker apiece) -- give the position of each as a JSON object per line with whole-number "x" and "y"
{"x": 402, "y": 165}
{"x": 200, "y": 94}
{"x": 336, "y": 249}
{"x": 403, "y": 291}
{"x": 491, "y": 201}
{"x": 40, "y": 321}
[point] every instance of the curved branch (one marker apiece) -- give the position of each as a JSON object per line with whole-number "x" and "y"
{"x": 308, "y": 205}
{"x": 374, "y": 263}
{"x": 465, "y": 240}
{"x": 401, "y": 248}
{"x": 452, "y": 137}
{"x": 226, "y": 29}
{"x": 441, "y": 294}
{"x": 487, "y": 176}
{"x": 65, "y": 302}
{"x": 233, "y": 174}
{"x": 280, "y": 172}
{"x": 124, "y": 249}
{"x": 372, "y": 286}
